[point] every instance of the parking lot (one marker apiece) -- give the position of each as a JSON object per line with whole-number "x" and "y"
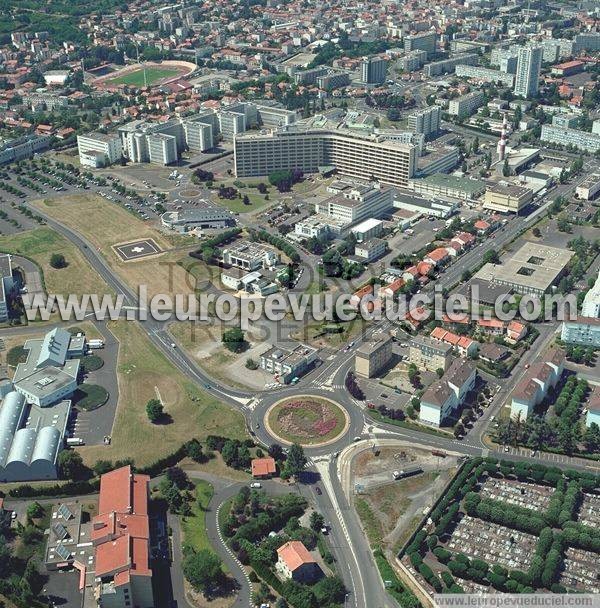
{"x": 92, "y": 426}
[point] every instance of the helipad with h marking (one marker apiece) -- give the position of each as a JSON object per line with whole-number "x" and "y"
{"x": 137, "y": 249}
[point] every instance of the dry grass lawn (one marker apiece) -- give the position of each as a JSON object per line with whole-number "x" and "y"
{"x": 142, "y": 369}
{"x": 39, "y": 245}
{"x": 203, "y": 343}
{"x": 106, "y": 224}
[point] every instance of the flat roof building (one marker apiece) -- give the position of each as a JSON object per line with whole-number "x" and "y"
{"x": 427, "y": 206}
{"x": 588, "y": 189}
{"x": 202, "y": 218}
{"x": 99, "y": 149}
{"x": 533, "y": 269}
{"x": 507, "y": 198}
{"x": 357, "y": 155}
{"x": 440, "y": 184}
{"x": 250, "y": 256}
{"x": 287, "y": 364}
{"x": 50, "y": 372}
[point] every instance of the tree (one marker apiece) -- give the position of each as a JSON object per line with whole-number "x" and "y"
{"x": 35, "y": 510}
{"x": 57, "y": 260}
{"x": 70, "y": 466}
{"x": 246, "y": 200}
{"x": 194, "y": 451}
{"x": 234, "y": 340}
{"x": 178, "y": 477}
{"x": 203, "y": 570}
{"x": 393, "y": 114}
{"x": 154, "y": 410}
{"x": 102, "y": 466}
{"x": 276, "y": 451}
{"x": 171, "y": 494}
{"x": 491, "y": 257}
{"x": 316, "y": 521}
{"x": 329, "y": 591}
{"x": 296, "y": 460}
{"x": 251, "y": 363}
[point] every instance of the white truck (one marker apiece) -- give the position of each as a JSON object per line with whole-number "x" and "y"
{"x": 74, "y": 441}
{"x": 93, "y": 344}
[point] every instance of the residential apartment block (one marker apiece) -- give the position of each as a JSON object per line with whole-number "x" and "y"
{"x": 373, "y": 356}
{"x": 590, "y": 142}
{"x": 584, "y": 331}
{"x": 444, "y": 398}
{"x": 447, "y": 66}
{"x": 429, "y": 354}
{"x": 533, "y": 387}
{"x": 426, "y": 120}
{"x": 466, "y": 104}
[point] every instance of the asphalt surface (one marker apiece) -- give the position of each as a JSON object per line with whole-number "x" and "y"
{"x": 357, "y": 565}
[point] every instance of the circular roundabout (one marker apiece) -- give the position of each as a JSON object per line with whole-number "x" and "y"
{"x": 308, "y": 420}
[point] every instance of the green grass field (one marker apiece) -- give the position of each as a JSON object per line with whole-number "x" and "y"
{"x": 136, "y": 78}
{"x": 194, "y": 526}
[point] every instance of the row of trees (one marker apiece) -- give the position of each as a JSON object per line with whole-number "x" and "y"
{"x": 276, "y": 241}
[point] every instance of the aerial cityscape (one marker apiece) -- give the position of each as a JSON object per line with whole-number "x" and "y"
{"x": 299, "y": 304}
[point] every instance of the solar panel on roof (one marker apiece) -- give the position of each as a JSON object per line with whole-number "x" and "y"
{"x": 60, "y": 531}
{"x": 63, "y": 552}
{"x": 65, "y": 512}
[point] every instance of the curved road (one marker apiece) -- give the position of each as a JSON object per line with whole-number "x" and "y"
{"x": 354, "y": 557}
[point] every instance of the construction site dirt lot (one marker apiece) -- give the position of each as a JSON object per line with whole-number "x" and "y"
{"x": 390, "y": 509}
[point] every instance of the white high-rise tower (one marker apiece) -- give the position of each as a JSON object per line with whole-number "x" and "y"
{"x": 529, "y": 64}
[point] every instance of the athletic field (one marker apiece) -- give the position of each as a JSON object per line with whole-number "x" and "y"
{"x": 135, "y": 78}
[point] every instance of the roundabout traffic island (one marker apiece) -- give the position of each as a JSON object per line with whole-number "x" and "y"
{"x": 306, "y": 420}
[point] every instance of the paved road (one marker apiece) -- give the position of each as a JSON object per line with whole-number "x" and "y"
{"x": 357, "y": 566}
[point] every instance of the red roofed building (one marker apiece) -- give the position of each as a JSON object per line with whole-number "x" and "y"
{"x": 463, "y": 344}
{"x": 263, "y": 468}
{"x": 121, "y": 537}
{"x": 491, "y": 326}
{"x": 295, "y": 561}
{"x": 481, "y": 226}
{"x": 515, "y": 331}
{"x": 437, "y": 257}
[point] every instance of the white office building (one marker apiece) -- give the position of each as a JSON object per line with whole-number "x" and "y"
{"x": 309, "y": 149}
{"x": 99, "y": 149}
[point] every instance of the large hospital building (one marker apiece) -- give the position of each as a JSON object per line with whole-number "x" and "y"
{"x": 358, "y": 156}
